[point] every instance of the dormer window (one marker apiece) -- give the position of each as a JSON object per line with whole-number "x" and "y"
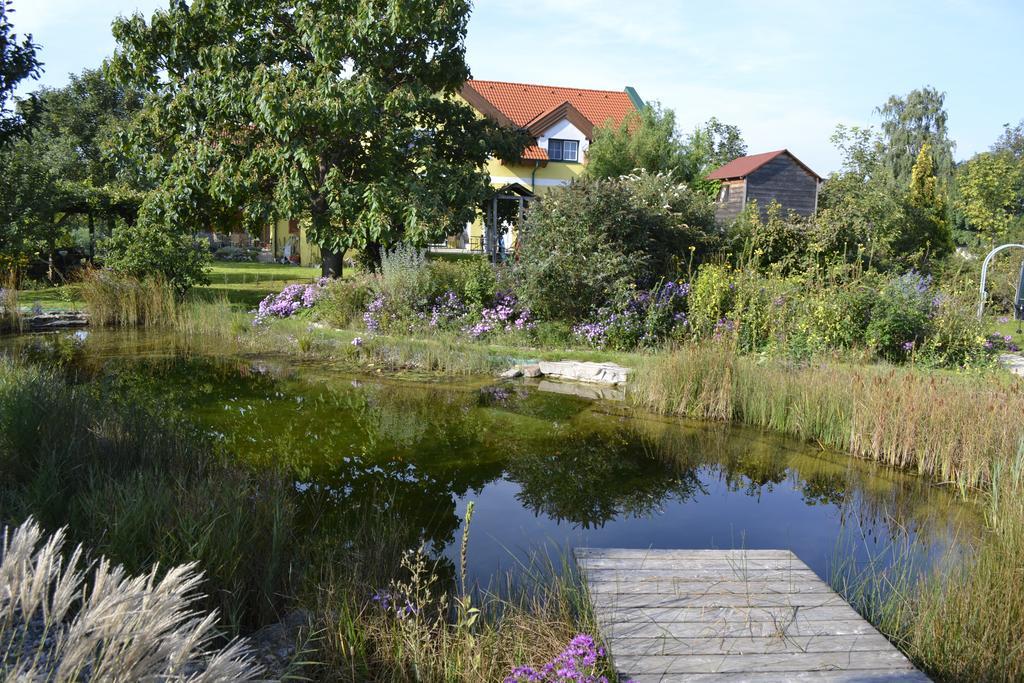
{"x": 563, "y": 150}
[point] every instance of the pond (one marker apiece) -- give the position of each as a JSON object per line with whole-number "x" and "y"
{"x": 546, "y": 471}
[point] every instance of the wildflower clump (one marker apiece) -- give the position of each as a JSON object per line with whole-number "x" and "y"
{"x": 505, "y": 315}
{"x": 579, "y": 662}
{"x": 639, "y": 318}
{"x": 289, "y": 301}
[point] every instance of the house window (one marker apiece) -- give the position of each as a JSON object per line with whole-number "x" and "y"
{"x": 723, "y": 194}
{"x": 293, "y": 227}
{"x": 563, "y": 150}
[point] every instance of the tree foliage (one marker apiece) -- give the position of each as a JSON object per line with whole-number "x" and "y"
{"x": 928, "y": 230}
{"x": 1012, "y": 140}
{"x": 649, "y": 141}
{"x": 342, "y": 110}
{"x": 646, "y": 140}
{"x": 991, "y": 194}
{"x": 910, "y": 122}
{"x": 59, "y": 172}
{"x": 17, "y": 62}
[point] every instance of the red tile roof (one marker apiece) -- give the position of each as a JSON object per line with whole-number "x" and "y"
{"x": 534, "y": 153}
{"x": 744, "y": 166}
{"x": 520, "y": 104}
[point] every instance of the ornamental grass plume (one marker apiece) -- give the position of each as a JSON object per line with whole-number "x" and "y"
{"x": 60, "y": 623}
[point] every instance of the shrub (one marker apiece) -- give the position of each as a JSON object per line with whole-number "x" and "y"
{"x": 506, "y": 315}
{"x": 404, "y": 279}
{"x": 233, "y": 253}
{"x": 58, "y": 623}
{"x": 474, "y": 280}
{"x": 639, "y": 318}
{"x": 583, "y": 243}
{"x": 770, "y": 239}
{"x": 900, "y": 316}
{"x": 956, "y": 336}
{"x": 711, "y": 297}
{"x": 342, "y": 302}
{"x": 145, "y": 249}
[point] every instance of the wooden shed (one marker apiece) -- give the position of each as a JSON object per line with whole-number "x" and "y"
{"x": 777, "y": 176}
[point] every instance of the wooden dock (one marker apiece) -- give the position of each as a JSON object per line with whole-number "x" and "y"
{"x": 731, "y": 615}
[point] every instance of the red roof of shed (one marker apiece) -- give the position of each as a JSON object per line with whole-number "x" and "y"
{"x": 520, "y": 104}
{"x": 744, "y": 166}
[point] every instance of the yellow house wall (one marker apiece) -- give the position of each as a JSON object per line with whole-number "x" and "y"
{"x": 309, "y": 254}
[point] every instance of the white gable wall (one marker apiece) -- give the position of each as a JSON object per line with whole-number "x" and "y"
{"x": 563, "y": 130}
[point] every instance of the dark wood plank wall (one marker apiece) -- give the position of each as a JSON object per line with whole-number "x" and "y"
{"x": 785, "y": 181}
{"x": 726, "y": 212}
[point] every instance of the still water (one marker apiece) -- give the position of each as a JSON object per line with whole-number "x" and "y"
{"x": 546, "y": 471}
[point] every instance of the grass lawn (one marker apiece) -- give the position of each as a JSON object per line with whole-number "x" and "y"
{"x": 243, "y": 284}
{"x": 61, "y": 298}
{"x": 1006, "y": 325}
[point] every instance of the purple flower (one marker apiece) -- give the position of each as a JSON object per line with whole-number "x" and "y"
{"x": 907, "y": 346}
{"x": 375, "y": 306}
{"x": 576, "y": 663}
{"x": 357, "y": 342}
{"x": 1002, "y": 320}
{"x": 287, "y": 302}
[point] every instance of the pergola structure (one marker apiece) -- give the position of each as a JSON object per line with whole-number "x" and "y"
{"x": 507, "y": 206}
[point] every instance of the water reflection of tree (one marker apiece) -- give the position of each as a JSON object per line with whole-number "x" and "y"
{"x": 591, "y": 478}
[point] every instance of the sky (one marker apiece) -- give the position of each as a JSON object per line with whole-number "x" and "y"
{"x": 785, "y": 71}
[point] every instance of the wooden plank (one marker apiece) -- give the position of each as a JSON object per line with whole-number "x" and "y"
{"x": 633, "y": 600}
{"x": 663, "y": 615}
{"x": 697, "y": 572}
{"x": 655, "y": 553}
{"x": 738, "y": 564}
{"x": 860, "y": 676}
{"x": 732, "y": 615}
{"x": 758, "y": 663}
{"x": 733, "y": 629}
{"x": 868, "y": 642}
{"x": 678, "y": 586}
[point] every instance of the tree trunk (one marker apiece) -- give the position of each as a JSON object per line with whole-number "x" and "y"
{"x": 372, "y": 255}
{"x": 92, "y": 238}
{"x": 331, "y": 264}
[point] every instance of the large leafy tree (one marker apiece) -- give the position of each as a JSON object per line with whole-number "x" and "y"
{"x": 339, "y": 110}
{"x": 1011, "y": 141}
{"x": 709, "y": 146}
{"x": 649, "y": 141}
{"x": 927, "y": 232}
{"x": 991, "y": 194}
{"x": 17, "y": 62}
{"x": 59, "y": 175}
{"x": 910, "y": 122}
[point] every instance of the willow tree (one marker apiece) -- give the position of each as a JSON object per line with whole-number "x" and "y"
{"x": 342, "y": 111}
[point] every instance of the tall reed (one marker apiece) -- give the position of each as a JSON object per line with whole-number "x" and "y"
{"x": 955, "y": 428}
{"x": 10, "y": 312}
{"x": 112, "y": 299}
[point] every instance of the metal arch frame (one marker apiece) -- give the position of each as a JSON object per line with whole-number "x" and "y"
{"x": 984, "y": 274}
